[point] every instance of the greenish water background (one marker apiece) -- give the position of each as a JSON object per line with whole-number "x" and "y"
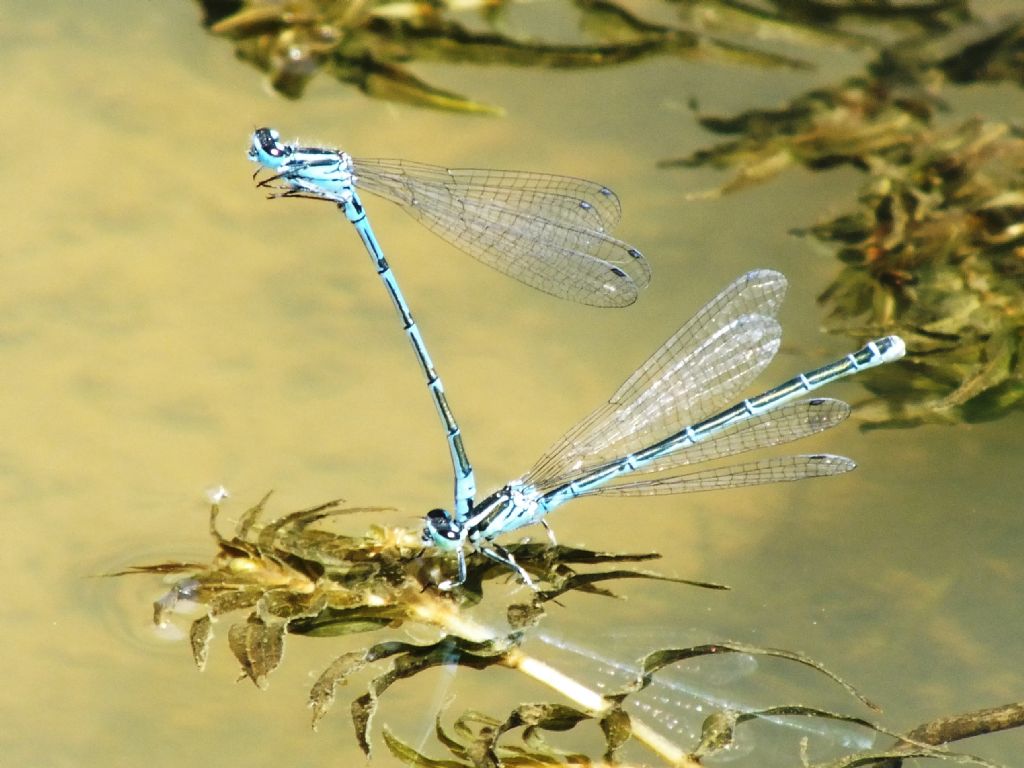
{"x": 165, "y": 329}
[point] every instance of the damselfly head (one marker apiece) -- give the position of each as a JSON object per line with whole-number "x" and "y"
{"x": 441, "y": 530}
{"x": 267, "y": 148}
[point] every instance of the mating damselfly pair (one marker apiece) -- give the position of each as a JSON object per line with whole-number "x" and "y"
{"x": 553, "y": 233}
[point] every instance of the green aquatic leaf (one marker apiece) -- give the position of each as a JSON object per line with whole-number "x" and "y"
{"x": 250, "y": 517}
{"x": 332, "y": 622}
{"x": 321, "y": 696}
{"x": 717, "y": 732}
{"x": 258, "y": 647}
{"x": 409, "y": 659}
{"x": 719, "y": 729}
{"x": 548, "y": 717}
{"x": 176, "y": 566}
{"x": 259, "y": 20}
{"x": 534, "y": 718}
{"x": 587, "y": 582}
{"x": 617, "y": 729}
{"x": 277, "y": 604}
{"x": 299, "y": 520}
{"x": 475, "y": 728}
{"x": 561, "y": 553}
{"x": 653, "y": 662}
{"x": 200, "y": 635}
{"x": 410, "y": 756}
{"x": 522, "y": 616}
{"x": 882, "y": 757}
{"x": 859, "y": 123}
{"x": 994, "y": 55}
{"x": 393, "y": 83}
{"x": 236, "y": 597}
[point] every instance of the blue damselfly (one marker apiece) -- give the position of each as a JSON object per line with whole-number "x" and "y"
{"x": 667, "y": 416}
{"x": 550, "y": 232}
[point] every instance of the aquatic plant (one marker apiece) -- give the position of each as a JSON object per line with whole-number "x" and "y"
{"x": 288, "y": 576}
{"x": 933, "y": 248}
{"x": 370, "y": 44}
{"x": 935, "y": 251}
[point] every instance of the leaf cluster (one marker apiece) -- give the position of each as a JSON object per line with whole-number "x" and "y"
{"x": 369, "y": 44}
{"x": 933, "y": 247}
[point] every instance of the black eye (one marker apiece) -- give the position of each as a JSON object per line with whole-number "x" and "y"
{"x": 440, "y": 521}
{"x": 270, "y": 142}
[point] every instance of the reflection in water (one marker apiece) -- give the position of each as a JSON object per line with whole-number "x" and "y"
{"x": 679, "y": 699}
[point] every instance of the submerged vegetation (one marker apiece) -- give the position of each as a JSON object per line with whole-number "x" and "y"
{"x": 290, "y": 576}
{"x": 935, "y": 252}
{"x": 368, "y": 44}
{"x": 933, "y": 247}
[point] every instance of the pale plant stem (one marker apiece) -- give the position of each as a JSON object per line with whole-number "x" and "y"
{"x": 445, "y": 615}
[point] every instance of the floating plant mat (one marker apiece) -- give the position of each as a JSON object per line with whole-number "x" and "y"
{"x": 369, "y": 44}
{"x": 289, "y": 576}
{"x": 933, "y": 246}
{"x": 935, "y": 252}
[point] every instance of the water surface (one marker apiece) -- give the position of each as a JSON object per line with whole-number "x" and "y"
{"x": 166, "y": 329}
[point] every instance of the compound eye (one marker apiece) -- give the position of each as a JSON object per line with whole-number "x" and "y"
{"x": 439, "y": 520}
{"x": 440, "y": 523}
{"x": 270, "y": 142}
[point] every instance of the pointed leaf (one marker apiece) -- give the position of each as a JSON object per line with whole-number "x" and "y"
{"x": 659, "y": 659}
{"x": 258, "y": 648}
{"x": 250, "y": 517}
{"x": 321, "y": 696}
{"x": 200, "y": 634}
{"x": 389, "y": 81}
{"x": 363, "y": 710}
{"x": 617, "y": 729}
{"x": 410, "y": 756}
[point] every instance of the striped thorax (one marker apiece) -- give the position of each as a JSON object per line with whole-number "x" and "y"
{"x": 314, "y": 171}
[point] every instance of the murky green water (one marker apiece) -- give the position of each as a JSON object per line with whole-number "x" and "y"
{"x": 166, "y": 329}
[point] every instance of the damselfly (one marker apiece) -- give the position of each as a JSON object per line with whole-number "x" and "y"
{"x": 663, "y": 418}
{"x": 550, "y": 232}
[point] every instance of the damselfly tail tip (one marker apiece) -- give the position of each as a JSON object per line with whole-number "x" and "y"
{"x": 891, "y": 348}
